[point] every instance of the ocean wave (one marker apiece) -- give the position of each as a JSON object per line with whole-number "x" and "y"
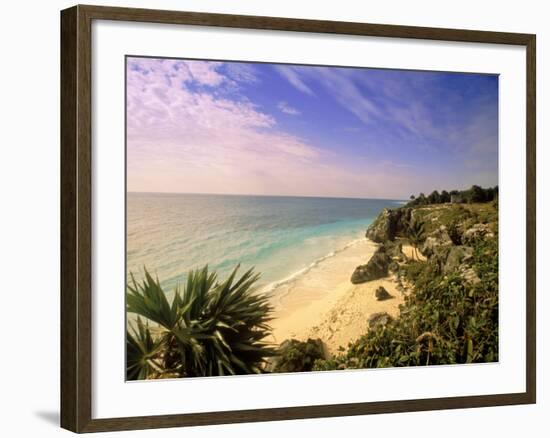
{"x": 273, "y": 286}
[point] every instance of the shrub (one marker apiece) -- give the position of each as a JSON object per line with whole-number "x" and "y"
{"x": 444, "y": 320}
{"x": 297, "y": 356}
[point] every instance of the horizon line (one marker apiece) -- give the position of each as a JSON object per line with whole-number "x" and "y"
{"x": 262, "y": 195}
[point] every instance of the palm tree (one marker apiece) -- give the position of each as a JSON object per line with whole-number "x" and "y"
{"x": 416, "y": 235}
{"x": 210, "y": 328}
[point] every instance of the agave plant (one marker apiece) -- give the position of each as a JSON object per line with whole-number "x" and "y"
{"x": 210, "y": 328}
{"x": 142, "y": 352}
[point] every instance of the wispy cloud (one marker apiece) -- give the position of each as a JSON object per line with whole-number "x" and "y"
{"x": 409, "y": 105}
{"x": 242, "y": 72}
{"x": 347, "y": 93}
{"x": 291, "y": 74}
{"x": 287, "y": 109}
{"x": 200, "y": 133}
{"x": 200, "y": 126}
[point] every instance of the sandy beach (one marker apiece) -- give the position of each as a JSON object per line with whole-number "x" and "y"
{"x": 323, "y": 303}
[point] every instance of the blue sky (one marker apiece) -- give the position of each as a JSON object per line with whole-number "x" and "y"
{"x": 248, "y": 128}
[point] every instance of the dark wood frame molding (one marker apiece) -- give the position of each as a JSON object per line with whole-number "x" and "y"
{"x": 76, "y": 225}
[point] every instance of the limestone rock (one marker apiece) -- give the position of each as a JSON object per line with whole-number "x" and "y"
{"x": 382, "y": 294}
{"x": 388, "y": 223}
{"x": 468, "y": 273}
{"x": 476, "y": 232}
{"x": 379, "y": 319}
{"x": 296, "y": 356}
{"x": 439, "y": 237}
{"x": 376, "y": 267}
{"x": 456, "y": 257}
{"x": 450, "y": 258}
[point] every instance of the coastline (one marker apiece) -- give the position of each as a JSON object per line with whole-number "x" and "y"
{"x": 368, "y": 303}
{"x": 323, "y": 303}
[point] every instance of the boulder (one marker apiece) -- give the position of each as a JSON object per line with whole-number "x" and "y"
{"x": 439, "y": 237}
{"x": 382, "y": 294}
{"x": 379, "y": 319}
{"x": 456, "y": 257}
{"x": 478, "y": 231}
{"x": 296, "y": 356}
{"x": 450, "y": 258}
{"x": 376, "y": 267}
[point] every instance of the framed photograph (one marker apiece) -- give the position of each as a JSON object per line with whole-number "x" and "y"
{"x": 270, "y": 218}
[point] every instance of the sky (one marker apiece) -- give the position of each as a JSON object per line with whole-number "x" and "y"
{"x": 289, "y": 130}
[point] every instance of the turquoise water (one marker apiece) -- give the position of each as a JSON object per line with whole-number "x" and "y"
{"x": 279, "y": 236}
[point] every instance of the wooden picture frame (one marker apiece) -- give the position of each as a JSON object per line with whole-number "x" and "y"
{"x": 76, "y": 217}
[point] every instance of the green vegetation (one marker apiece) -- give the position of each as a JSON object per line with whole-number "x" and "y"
{"x": 453, "y": 215}
{"x": 210, "y": 328}
{"x": 297, "y": 356}
{"x": 416, "y": 235}
{"x": 445, "y": 320}
{"x": 450, "y": 313}
{"x": 475, "y": 194}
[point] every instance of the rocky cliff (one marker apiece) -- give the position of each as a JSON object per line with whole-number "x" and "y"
{"x": 389, "y": 224}
{"x": 449, "y": 233}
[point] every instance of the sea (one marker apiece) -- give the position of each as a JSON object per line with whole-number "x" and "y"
{"x": 281, "y": 237}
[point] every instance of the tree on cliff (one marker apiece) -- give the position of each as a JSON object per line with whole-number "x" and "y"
{"x": 416, "y": 235}
{"x": 434, "y": 197}
{"x": 476, "y": 194}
